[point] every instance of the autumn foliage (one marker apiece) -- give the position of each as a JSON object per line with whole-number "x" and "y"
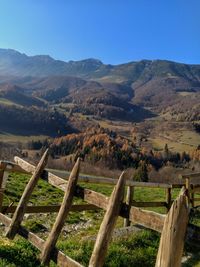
{"x": 98, "y": 145}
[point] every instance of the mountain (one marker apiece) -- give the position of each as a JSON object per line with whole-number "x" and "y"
{"x": 17, "y": 64}
{"x": 106, "y": 100}
{"x": 95, "y": 88}
{"x": 13, "y": 94}
{"x": 13, "y": 63}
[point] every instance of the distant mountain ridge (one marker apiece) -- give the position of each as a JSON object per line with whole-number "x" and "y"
{"x": 17, "y": 64}
{"x": 92, "y": 88}
{"x": 14, "y": 63}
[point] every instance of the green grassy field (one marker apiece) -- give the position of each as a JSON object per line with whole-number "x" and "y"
{"x": 177, "y": 141}
{"x": 77, "y": 238}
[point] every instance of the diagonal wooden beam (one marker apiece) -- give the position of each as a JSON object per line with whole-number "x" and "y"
{"x": 62, "y": 215}
{"x": 108, "y": 224}
{"x": 46, "y": 175}
{"x": 19, "y": 213}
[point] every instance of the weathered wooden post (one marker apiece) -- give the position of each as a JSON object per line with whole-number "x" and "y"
{"x": 173, "y": 233}
{"x": 129, "y": 199}
{"x": 62, "y": 214}
{"x": 20, "y": 210}
{"x": 107, "y": 225}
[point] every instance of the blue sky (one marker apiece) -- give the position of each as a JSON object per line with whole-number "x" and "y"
{"x": 114, "y": 31}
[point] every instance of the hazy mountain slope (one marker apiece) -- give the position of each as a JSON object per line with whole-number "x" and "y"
{"x": 109, "y": 100}
{"x": 154, "y": 83}
{"x": 163, "y": 91}
{"x": 106, "y": 100}
{"x": 17, "y": 95}
{"x": 17, "y": 64}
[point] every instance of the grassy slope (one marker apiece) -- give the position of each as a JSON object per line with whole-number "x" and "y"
{"x": 177, "y": 141}
{"x": 6, "y": 101}
{"x": 10, "y": 138}
{"x": 77, "y": 240}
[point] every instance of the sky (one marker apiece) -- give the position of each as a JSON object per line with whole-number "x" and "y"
{"x": 114, "y": 31}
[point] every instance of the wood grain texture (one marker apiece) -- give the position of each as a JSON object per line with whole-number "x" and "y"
{"x": 107, "y": 225}
{"x": 129, "y": 199}
{"x": 146, "y": 218}
{"x": 173, "y": 234}
{"x": 62, "y": 215}
{"x": 49, "y": 209}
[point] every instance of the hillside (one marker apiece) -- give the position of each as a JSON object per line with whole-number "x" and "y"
{"x": 106, "y": 100}
{"x": 18, "y": 96}
{"x": 32, "y": 121}
{"x": 97, "y": 145}
{"x": 154, "y": 83}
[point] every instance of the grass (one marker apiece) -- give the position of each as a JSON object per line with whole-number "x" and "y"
{"x": 19, "y": 253}
{"x": 185, "y": 143}
{"x": 6, "y": 101}
{"x": 190, "y": 137}
{"x": 186, "y": 93}
{"x": 77, "y": 238}
{"x": 137, "y": 250}
{"x": 10, "y": 138}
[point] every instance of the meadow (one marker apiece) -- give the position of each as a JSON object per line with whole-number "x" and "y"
{"x": 77, "y": 239}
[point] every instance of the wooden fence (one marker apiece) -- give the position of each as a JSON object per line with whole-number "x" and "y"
{"x": 173, "y": 226}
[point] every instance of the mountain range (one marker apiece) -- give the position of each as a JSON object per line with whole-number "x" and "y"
{"x": 132, "y": 91}
{"x": 17, "y": 64}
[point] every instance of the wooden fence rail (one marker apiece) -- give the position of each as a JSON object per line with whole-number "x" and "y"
{"x": 49, "y": 209}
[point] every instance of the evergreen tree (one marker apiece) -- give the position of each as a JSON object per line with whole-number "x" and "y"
{"x": 141, "y": 174}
